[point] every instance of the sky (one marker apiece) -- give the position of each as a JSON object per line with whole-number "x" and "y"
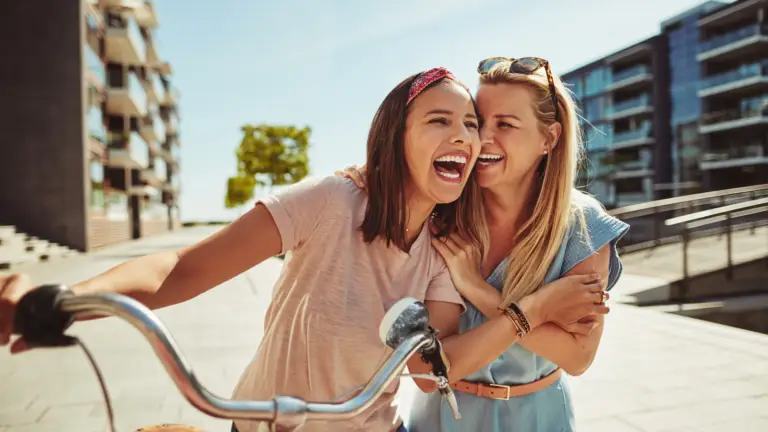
{"x": 328, "y": 65}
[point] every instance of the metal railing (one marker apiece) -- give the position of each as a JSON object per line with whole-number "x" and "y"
{"x": 648, "y": 220}
{"x": 644, "y": 100}
{"x": 627, "y": 74}
{"x": 725, "y": 216}
{"x": 731, "y": 37}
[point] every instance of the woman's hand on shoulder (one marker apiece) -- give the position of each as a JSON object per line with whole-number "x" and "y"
{"x": 356, "y": 173}
{"x": 462, "y": 258}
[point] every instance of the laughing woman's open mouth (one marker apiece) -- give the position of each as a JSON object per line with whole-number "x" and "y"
{"x": 450, "y": 167}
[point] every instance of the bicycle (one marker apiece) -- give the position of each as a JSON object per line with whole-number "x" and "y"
{"x": 44, "y": 314}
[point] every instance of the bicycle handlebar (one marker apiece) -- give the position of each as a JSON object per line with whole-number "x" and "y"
{"x": 44, "y": 314}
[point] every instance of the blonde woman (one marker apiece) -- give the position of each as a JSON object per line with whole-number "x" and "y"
{"x": 541, "y": 229}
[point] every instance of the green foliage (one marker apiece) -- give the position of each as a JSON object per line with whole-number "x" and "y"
{"x": 268, "y": 156}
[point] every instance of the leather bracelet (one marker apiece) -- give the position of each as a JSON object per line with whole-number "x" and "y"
{"x": 512, "y": 315}
{"x": 521, "y": 315}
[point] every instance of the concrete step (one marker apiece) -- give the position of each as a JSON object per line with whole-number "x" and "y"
{"x": 15, "y": 242}
{"x": 18, "y": 248}
{"x": 8, "y": 259}
{"x": 7, "y": 231}
{"x": 37, "y": 246}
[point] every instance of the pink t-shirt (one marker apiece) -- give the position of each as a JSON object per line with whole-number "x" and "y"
{"x": 321, "y": 329}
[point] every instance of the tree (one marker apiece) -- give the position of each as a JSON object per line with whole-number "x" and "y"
{"x": 268, "y": 156}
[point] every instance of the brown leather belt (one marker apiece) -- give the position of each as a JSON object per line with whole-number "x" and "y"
{"x": 504, "y": 392}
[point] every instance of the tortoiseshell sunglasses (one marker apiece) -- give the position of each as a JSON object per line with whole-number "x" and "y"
{"x": 527, "y": 66}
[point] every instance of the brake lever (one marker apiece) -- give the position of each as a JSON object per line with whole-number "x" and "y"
{"x": 444, "y": 387}
{"x": 440, "y": 365}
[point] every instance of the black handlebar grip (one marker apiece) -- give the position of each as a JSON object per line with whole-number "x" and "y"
{"x": 39, "y": 319}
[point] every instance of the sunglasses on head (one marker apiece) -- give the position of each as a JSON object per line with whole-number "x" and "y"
{"x": 525, "y": 66}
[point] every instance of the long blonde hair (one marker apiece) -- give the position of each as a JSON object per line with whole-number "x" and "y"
{"x": 540, "y": 237}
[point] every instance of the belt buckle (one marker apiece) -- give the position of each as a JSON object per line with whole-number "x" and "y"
{"x": 505, "y": 387}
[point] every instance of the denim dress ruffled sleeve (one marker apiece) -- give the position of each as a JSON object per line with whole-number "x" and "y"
{"x": 549, "y": 409}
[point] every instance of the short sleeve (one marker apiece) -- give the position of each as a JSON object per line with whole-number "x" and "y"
{"x": 298, "y": 209}
{"x": 441, "y": 288}
{"x": 601, "y": 229}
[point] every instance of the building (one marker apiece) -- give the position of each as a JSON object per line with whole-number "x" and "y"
{"x": 90, "y": 144}
{"x": 733, "y": 56}
{"x": 624, "y": 102}
{"x": 682, "y": 111}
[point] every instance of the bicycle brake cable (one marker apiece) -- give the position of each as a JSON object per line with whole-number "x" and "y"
{"x": 102, "y": 383}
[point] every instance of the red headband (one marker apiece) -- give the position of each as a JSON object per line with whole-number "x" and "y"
{"x": 425, "y": 79}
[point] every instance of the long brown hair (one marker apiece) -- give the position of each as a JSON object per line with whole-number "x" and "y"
{"x": 387, "y": 174}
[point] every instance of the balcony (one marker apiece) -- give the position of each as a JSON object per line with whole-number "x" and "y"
{"x": 143, "y": 11}
{"x": 130, "y": 100}
{"x": 164, "y": 154}
{"x": 152, "y": 129}
{"x": 172, "y": 187}
{"x": 630, "y": 107}
{"x": 175, "y": 153}
{"x": 127, "y": 151}
{"x": 631, "y": 78}
{"x": 632, "y": 169}
{"x": 633, "y": 138}
{"x": 159, "y": 129}
{"x": 174, "y": 162}
{"x": 97, "y": 133}
{"x": 153, "y": 58}
{"x": 147, "y": 129}
{"x": 95, "y": 72}
{"x": 172, "y": 183}
{"x": 125, "y": 44}
{"x": 737, "y": 82}
{"x": 733, "y": 119}
{"x": 143, "y": 190}
{"x": 94, "y": 27}
{"x": 154, "y": 174}
{"x": 170, "y": 97}
{"x": 735, "y": 156}
{"x": 92, "y": 12}
{"x": 166, "y": 69}
{"x": 596, "y": 170}
{"x": 171, "y": 126}
{"x": 155, "y": 88}
{"x": 745, "y": 40}
{"x": 145, "y": 14}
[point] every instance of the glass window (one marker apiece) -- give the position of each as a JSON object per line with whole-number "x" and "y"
{"x": 599, "y": 137}
{"x": 596, "y": 81}
{"x": 95, "y": 123}
{"x": 97, "y": 185}
{"x": 97, "y": 172}
{"x": 117, "y": 206}
{"x": 594, "y": 109}
{"x": 577, "y": 87}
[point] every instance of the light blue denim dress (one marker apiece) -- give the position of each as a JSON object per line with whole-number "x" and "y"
{"x": 550, "y": 409}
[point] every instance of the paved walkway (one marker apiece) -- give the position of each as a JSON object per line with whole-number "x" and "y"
{"x": 653, "y": 372}
{"x": 705, "y": 254}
